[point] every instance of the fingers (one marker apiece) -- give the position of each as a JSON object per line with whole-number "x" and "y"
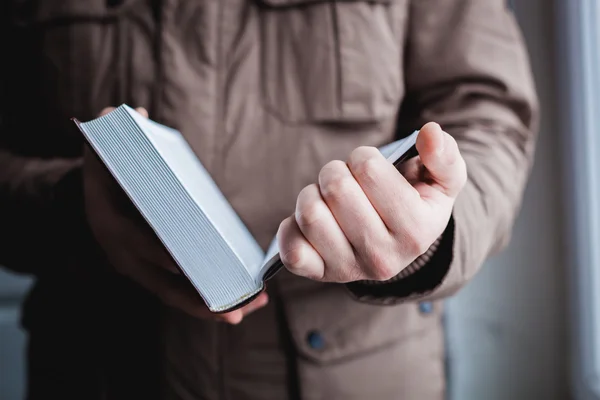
{"x": 441, "y": 157}
{"x": 297, "y": 253}
{"x": 260, "y": 301}
{"x": 155, "y": 269}
{"x": 236, "y": 316}
{"x": 386, "y": 219}
{"x": 106, "y": 110}
{"x": 391, "y": 195}
{"x": 140, "y": 110}
{"x": 351, "y": 208}
{"x": 173, "y": 290}
{"x": 335, "y": 228}
{"x": 178, "y": 292}
{"x": 321, "y": 230}
{"x": 233, "y": 318}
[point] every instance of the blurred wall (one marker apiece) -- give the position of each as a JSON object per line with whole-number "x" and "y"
{"x": 12, "y": 337}
{"x": 507, "y": 329}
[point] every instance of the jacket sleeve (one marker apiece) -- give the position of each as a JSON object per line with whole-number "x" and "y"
{"x": 42, "y": 220}
{"x": 467, "y": 69}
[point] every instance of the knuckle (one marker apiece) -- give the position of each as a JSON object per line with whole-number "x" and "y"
{"x": 339, "y": 275}
{"x": 309, "y": 207}
{"x": 364, "y": 160}
{"x": 366, "y": 170}
{"x": 415, "y": 244}
{"x": 309, "y": 214}
{"x": 337, "y": 185}
{"x": 365, "y": 163}
{"x": 346, "y": 271}
{"x": 337, "y": 189}
{"x": 293, "y": 259}
{"x": 382, "y": 267}
{"x": 354, "y": 274}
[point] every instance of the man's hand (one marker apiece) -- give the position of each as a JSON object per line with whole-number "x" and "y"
{"x": 365, "y": 220}
{"x": 134, "y": 250}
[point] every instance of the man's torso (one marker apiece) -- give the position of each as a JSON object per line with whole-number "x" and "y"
{"x": 266, "y": 92}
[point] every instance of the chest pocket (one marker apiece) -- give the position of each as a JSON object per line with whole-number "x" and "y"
{"x": 332, "y": 61}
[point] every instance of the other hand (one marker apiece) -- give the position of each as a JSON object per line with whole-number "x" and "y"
{"x": 364, "y": 220}
{"x": 134, "y": 250}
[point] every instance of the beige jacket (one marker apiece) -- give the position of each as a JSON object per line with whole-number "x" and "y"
{"x": 266, "y": 92}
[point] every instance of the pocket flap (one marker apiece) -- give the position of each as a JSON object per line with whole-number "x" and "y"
{"x": 328, "y": 325}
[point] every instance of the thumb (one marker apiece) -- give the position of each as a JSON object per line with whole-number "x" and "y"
{"x": 440, "y": 155}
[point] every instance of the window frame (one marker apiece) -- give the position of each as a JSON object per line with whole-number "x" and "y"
{"x": 578, "y": 57}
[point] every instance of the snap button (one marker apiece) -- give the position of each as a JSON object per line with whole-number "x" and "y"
{"x": 426, "y": 307}
{"x": 315, "y": 340}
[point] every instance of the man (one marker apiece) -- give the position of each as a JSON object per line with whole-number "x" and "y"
{"x": 267, "y": 93}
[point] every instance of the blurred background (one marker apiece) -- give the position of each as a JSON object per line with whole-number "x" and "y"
{"x": 525, "y": 328}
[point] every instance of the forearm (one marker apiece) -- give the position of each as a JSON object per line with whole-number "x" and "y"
{"x": 471, "y": 75}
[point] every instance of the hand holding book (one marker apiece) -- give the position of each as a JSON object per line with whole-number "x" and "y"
{"x": 134, "y": 250}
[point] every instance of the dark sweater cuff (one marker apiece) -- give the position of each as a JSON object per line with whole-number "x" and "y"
{"x": 421, "y": 277}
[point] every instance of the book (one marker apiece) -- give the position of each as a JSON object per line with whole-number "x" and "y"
{"x": 175, "y": 194}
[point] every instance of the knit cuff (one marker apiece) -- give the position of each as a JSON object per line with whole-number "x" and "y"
{"x": 413, "y": 267}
